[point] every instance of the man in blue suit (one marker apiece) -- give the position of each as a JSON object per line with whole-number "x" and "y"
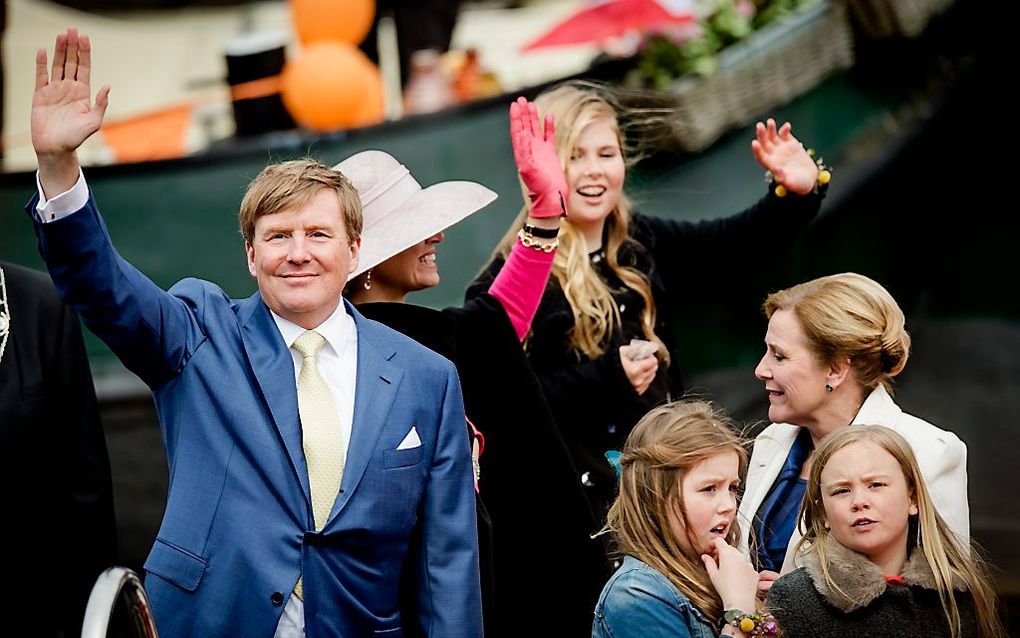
{"x": 320, "y": 479}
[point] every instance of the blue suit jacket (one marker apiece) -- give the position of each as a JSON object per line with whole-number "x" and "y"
{"x": 399, "y": 548}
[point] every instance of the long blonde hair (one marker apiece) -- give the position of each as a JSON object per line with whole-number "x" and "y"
{"x": 664, "y": 445}
{"x": 596, "y": 314}
{"x": 849, "y": 316}
{"x": 948, "y": 557}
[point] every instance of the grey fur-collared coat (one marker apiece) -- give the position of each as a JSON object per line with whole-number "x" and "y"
{"x": 805, "y": 606}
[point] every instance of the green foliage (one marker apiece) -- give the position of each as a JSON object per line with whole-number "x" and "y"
{"x": 662, "y": 60}
{"x": 775, "y": 9}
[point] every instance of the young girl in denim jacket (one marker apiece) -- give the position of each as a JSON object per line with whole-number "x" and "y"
{"x": 674, "y": 525}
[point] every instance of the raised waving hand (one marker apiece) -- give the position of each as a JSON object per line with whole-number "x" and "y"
{"x": 536, "y": 159}
{"x": 777, "y": 150}
{"x": 63, "y": 113}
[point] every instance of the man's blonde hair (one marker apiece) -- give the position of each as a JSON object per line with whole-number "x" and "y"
{"x": 290, "y": 186}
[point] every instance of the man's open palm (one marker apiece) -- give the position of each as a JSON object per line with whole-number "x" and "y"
{"x": 62, "y": 114}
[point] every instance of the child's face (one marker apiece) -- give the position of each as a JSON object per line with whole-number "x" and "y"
{"x": 595, "y": 174}
{"x": 867, "y": 502}
{"x": 710, "y": 500}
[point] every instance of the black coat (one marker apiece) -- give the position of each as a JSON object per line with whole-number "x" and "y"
{"x": 593, "y": 402}
{"x": 59, "y": 531}
{"x": 806, "y": 607}
{"x": 543, "y": 572}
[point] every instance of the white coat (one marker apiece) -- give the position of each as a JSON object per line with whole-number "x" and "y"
{"x": 941, "y": 455}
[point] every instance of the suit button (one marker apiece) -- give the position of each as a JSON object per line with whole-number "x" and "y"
{"x": 277, "y": 598}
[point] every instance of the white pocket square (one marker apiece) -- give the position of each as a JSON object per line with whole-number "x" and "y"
{"x": 411, "y": 440}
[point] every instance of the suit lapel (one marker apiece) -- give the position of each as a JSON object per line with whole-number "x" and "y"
{"x": 378, "y": 378}
{"x": 770, "y": 452}
{"x": 273, "y": 366}
{"x": 766, "y": 467}
{"x": 878, "y": 409}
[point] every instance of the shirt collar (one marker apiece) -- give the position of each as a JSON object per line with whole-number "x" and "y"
{"x": 878, "y": 408}
{"x": 336, "y": 329}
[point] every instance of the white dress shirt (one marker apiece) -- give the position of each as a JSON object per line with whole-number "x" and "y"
{"x": 337, "y": 361}
{"x": 71, "y": 200}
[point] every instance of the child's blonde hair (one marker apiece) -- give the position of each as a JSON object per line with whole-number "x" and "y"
{"x": 661, "y": 449}
{"x": 948, "y": 557}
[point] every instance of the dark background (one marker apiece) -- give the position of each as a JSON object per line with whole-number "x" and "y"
{"x": 919, "y": 133}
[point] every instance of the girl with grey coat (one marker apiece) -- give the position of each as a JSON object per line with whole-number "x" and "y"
{"x": 877, "y": 558}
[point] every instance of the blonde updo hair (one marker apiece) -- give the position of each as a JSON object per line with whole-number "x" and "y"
{"x": 660, "y": 451}
{"x": 849, "y": 316}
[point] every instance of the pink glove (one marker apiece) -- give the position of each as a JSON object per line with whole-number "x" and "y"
{"x": 536, "y": 159}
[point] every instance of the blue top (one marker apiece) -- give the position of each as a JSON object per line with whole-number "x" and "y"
{"x": 777, "y": 518}
{"x": 639, "y": 602}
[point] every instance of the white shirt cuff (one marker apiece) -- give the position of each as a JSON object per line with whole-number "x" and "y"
{"x": 70, "y": 201}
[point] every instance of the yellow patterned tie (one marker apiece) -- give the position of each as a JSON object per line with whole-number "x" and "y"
{"x": 320, "y": 432}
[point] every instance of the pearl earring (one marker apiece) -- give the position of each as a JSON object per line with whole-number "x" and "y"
{"x": 368, "y": 283}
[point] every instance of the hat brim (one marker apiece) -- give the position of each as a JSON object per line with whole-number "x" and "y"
{"x": 424, "y": 214}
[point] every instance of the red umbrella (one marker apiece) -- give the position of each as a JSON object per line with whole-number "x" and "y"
{"x": 608, "y": 20}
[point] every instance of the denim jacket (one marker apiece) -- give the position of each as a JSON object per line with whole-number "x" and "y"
{"x": 639, "y": 602}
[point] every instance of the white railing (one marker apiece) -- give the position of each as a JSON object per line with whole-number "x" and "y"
{"x": 118, "y": 585}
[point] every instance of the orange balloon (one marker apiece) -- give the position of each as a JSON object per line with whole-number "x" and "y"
{"x": 338, "y": 20}
{"x": 330, "y": 86}
{"x": 373, "y": 109}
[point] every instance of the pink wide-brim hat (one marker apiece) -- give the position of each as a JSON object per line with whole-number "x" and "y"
{"x": 398, "y": 213}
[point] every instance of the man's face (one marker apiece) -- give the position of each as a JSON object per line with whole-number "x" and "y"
{"x": 301, "y": 259}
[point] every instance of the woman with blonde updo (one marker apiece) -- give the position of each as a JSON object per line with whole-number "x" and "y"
{"x": 619, "y": 275}
{"x": 832, "y": 348}
{"x": 674, "y": 525}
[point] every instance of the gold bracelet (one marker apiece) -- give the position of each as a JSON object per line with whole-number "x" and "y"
{"x": 821, "y": 183}
{"x": 528, "y": 241}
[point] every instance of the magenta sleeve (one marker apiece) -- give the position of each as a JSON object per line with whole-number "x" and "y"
{"x": 520, "y": 283}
